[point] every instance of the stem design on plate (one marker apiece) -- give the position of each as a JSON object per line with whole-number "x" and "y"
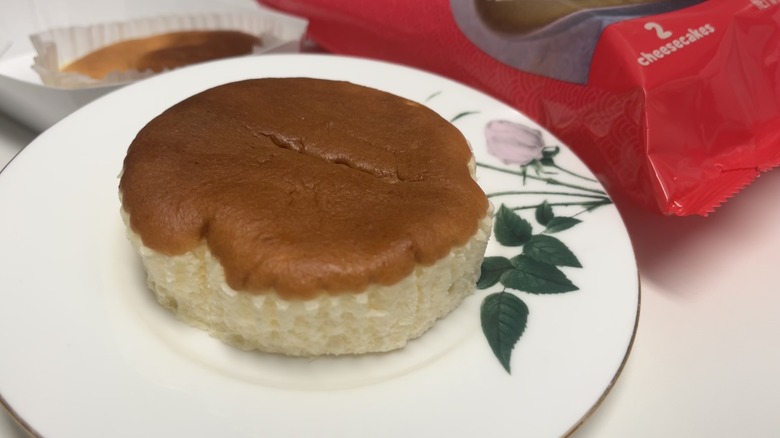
{"x": 540, "y": 258}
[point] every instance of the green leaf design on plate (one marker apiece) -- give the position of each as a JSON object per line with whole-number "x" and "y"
{"x": 536, "y": 277}
{"x": 434, "y": 94}
{"x": 491, "y": 271}
{"x": 550, "y": 250}
{"x": 560, "y": 223}
{"x": 541, "y": 259}
{"x": 463, "y": 114}
{"x": 536, "y": 166}
{"x": 510, "y": 229}
{"x": 550, "y": 151}
{"x": 544, "y": 213}
{"x": 504, "y": 318}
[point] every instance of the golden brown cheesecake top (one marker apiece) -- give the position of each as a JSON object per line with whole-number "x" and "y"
{"x": 164, "y": 52}
{"x": 303, "y": 185}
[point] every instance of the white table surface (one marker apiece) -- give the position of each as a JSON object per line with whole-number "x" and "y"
{"x": 706, "y": 359}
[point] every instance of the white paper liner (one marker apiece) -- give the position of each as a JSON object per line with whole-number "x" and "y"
{"x": 58, "y": 47}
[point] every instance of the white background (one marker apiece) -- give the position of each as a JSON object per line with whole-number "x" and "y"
{"x": 706, "y": 359}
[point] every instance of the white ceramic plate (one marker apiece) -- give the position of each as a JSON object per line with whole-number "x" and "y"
{"x": 86, "y": 352}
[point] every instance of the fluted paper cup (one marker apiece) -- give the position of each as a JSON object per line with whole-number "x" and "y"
{"x": 59, "y": 47}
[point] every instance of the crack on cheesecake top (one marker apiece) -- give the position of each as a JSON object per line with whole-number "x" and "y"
{"x": 302, "y": 185}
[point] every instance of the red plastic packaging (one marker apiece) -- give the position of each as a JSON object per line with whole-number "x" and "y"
{"x": 678, "y": 109}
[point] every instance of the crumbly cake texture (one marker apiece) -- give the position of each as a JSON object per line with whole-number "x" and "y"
{"x": 378, "y": 319}
{"x": 305, "y": 216}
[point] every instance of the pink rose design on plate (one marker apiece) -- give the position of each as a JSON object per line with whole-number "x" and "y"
{"x": 541, "y": 258}
{"x": 513, "y": 143}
